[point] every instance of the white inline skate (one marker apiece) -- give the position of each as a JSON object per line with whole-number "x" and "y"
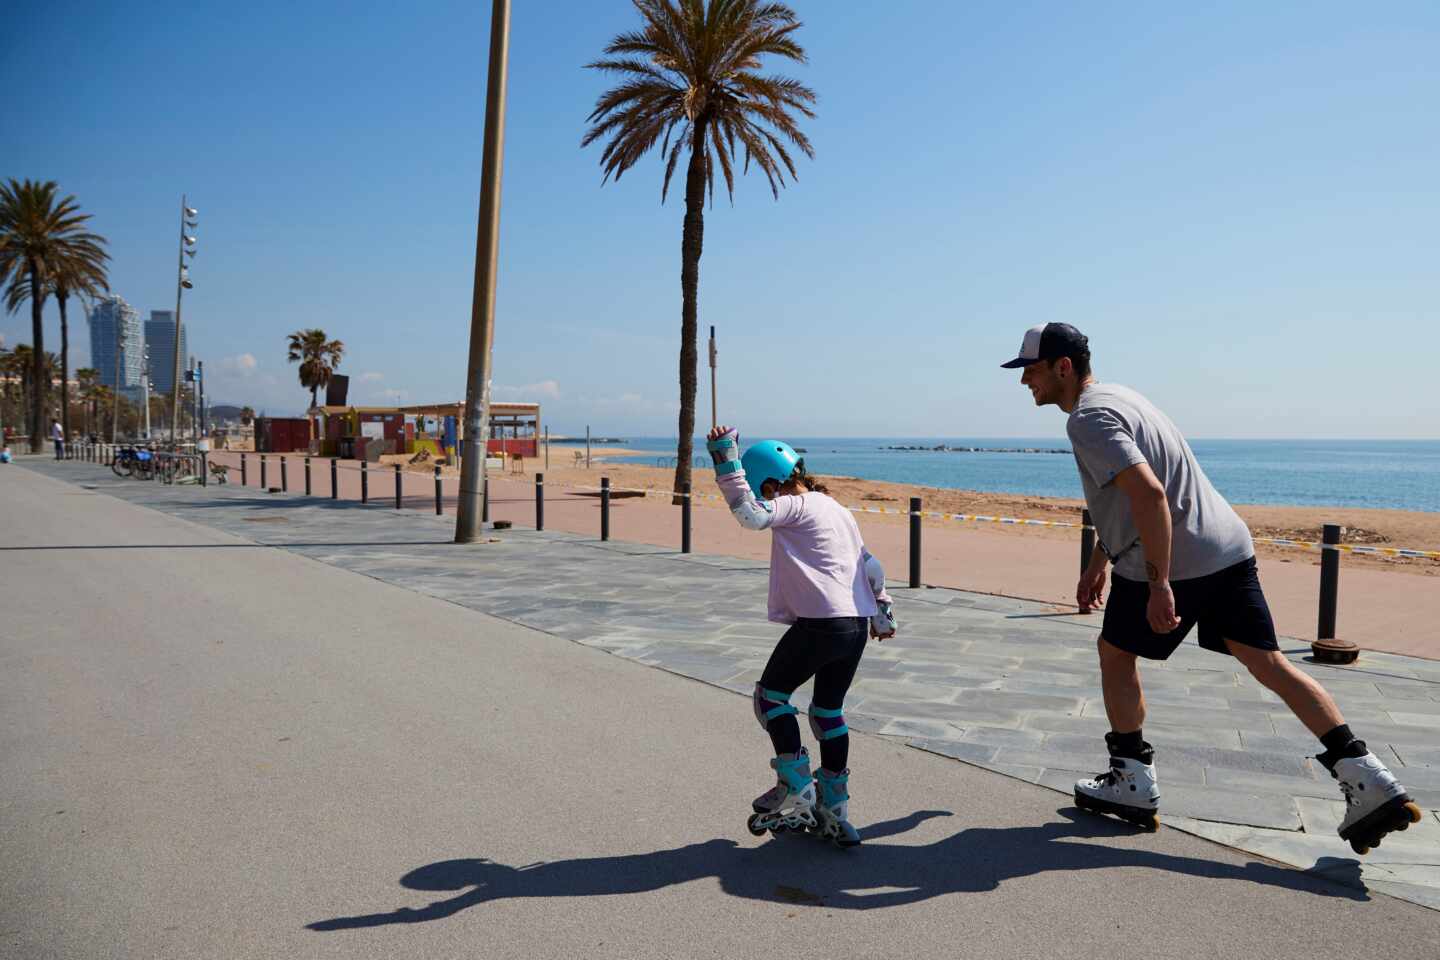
{"x": 832, "y": 809}
{"x": 790, "y": 804}
{"x": 1375, "y": 804}
{"x": 1128, "y": 790}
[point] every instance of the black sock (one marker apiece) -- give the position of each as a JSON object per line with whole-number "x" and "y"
{"x": 1131, "y": 746}
{"x": 1339, "y": 744}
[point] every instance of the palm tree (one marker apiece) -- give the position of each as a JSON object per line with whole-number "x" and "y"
{"x": 38, "y": 237}
{"x": 88, "y": 378}
{"x": 318, "y": 359}
{"x": 691, "y": 70}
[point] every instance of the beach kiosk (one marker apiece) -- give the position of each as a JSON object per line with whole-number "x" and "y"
{"x": 368, "y": 432}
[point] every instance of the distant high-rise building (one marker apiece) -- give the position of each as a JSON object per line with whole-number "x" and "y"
{"x": 116, "y": 343}
{"x": 160, "y": 337}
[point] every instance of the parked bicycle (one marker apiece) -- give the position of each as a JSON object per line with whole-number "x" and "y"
{"x": 132, "y": 461}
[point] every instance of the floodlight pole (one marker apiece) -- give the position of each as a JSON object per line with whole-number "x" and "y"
{"x": 468, "y": 527}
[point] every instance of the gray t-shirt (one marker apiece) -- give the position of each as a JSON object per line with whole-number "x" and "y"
{"x": 1113, "y": 428}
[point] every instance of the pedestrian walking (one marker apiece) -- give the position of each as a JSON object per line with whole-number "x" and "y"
{"x": 831, "y": 593}
{"x": 57, "y": 434}
{"x": 1183, "y": 558}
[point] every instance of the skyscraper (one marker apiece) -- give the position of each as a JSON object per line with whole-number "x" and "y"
{"x": 116, "y": 344}
{"x": 160, "y": 337}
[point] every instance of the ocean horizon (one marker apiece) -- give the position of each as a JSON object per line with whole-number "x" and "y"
{"x": 1381, "y": 474}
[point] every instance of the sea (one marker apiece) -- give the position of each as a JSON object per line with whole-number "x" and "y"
{"x": 1392, "y": 474}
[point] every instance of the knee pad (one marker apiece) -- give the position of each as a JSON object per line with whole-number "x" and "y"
{"x": 770, "y": 704}
{"x": 827, "y": 724}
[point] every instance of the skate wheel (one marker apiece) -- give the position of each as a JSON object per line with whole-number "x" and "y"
{"x": 1359, "y": 847}
{"x": 1412, "y": 809}
{"x": 1151, "y": 825}
{"x": 751, "y": 826}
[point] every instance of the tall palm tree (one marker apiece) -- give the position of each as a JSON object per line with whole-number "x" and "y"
{"x": 689, "y": 77}
{"x": 71, "y": 272}
{"x": 318, "y": 358}
{"x": 38, "y": 235}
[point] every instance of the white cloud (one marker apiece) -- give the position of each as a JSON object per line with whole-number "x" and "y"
{"x": 243, "y": 364}
{"x": 544, "y": 390}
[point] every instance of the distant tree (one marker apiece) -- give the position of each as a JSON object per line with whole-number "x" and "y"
{"x": 318, "y": 357}
{"x": 38, "y": 235}
{"x": 88, "y": 379}
{"x": 247, "y": 415}
{"x": 688, "y": 76}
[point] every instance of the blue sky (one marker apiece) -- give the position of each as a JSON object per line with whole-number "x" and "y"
{"x": 1237, "y": 203}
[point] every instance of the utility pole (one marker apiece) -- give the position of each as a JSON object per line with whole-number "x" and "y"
{"x": 182, "y": 283}
{"x": 482, "y": 305}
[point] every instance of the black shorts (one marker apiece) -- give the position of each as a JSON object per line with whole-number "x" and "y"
{"x": 1228, "y": 605}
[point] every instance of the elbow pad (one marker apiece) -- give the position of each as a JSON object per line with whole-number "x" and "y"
{"x": 753, "y": 515}
{"x": 875, "y": 573}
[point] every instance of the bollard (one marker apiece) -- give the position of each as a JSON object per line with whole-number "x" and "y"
{"x": 539, "y": 501}
{"x": 397, "y": 486}
{"x": 307, "y": 476}
{"x": 334, "y": 476}
{"x": 1329, "y": 583}
{"x": 364, "y": 482}
{"x": 604, "y": 508}
{"x": 263, "y": 485}
{"x": 204, "y": 469}
{"x": 914, "y": 541}
{"x": 284, "y": 475}
{"x": 685, "y": 518}
{"x": 243, "y": 481}
{"x": 438, "y": 511}
{"x": 485, "y": 500}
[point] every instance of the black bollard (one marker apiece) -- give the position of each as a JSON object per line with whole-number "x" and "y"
{"x": 604, "y": 508}
{"x": 485, "y": 500}
{"x": 243, "y": 480}
{"x": 915, "y": 542}
{"x": 685, "y": 518}
{"x": 438, "y": 511}
{"x": 397, "y": 486}
{"x": 307, "y": 476}
{"x": 539, "y": 501}
{"x": 284, "y": 475}
{"x": 1329, "y": 582}
{"x": 364, "y": 482}
{"x": 262, "y": 472}
{"x": 334, "y": 478}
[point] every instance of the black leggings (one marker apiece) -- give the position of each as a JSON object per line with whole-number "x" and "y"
{"x": 829, "y": 650}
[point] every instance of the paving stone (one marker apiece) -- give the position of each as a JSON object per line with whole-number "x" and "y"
{"x": 1418, "y": 756}
{"x": 1003, "y": 737}
{"x": 1265, "y": 783}
{"x": 924, "y": 729}
{"x": 1228, "y": 806}
{"x": 956, "y": 749}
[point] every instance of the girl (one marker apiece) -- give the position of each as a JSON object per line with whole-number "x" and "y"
{"x": 831, "y": 592}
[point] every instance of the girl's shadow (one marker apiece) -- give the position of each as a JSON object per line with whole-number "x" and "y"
{"x": 973, "y": 860}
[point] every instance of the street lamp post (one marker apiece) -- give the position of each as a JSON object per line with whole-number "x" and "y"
{"x": 482, "y": 304}
{"x": 188, "y": 221}
{"x": 145, "y": 388}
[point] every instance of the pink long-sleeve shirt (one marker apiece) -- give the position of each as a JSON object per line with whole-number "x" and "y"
{"x": 817, "y": 566}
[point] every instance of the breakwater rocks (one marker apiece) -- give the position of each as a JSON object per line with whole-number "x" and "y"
{"x": 946, "y": 448}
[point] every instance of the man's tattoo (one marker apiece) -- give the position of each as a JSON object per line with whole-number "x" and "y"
{"x": 1152, "y": 571}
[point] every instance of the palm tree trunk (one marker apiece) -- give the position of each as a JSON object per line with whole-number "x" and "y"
{"x": 61, "y": 295}
{"x": 39, "y": 377}
{"x": 691, "y": 244}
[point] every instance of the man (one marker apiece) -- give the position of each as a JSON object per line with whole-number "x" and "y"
{"x": 1182, "y": 557}
{"x": 57, "y": 433}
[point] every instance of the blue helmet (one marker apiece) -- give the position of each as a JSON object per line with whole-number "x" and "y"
{"x": 769, "y": 460}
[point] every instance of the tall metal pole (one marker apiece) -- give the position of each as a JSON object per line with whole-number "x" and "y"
{"x": 714, "y": 420}
{"x": 482, "y": 303}
{"x": 200, "y": 386}
{"x": 179, "y": 286}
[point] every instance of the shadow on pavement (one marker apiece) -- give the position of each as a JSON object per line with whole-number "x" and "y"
{"x": 971, "y": 861}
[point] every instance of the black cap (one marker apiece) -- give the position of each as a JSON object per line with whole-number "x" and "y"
{"x": 1050, "y": 341}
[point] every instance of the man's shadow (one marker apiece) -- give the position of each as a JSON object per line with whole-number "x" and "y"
{"x": 973, "y": 860}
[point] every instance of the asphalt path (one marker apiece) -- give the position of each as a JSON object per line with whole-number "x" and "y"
{"x": 210, "y": 748}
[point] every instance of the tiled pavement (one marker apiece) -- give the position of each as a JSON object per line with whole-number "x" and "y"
{"x": 1009, "y": 685}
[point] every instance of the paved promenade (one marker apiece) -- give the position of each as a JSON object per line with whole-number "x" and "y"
{"x": 384, "y": 682}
